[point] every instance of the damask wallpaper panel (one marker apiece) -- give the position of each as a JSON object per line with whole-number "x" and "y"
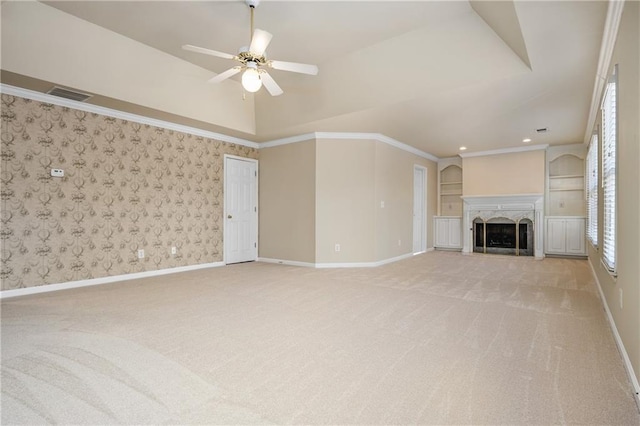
{"x": 127, "y": 186}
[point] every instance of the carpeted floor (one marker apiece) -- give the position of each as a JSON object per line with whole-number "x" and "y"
{"x": 439, "y": 338}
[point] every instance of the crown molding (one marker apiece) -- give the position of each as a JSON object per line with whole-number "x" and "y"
{"x": 611, "y": 26}
{"x": 350, "y": 136}
{"x": 504, "y": 151}
{"x": 55, "y": 100}
{"x": 289, "y": 140}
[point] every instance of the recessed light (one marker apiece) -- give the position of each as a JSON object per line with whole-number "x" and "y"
{"x": 462, "y": 148}
{"x": 527, "y": 140}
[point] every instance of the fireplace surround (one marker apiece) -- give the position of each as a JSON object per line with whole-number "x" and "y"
{"x": 504, "y": 224}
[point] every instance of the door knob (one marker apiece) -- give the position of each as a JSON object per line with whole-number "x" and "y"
{"x": 229, "y": 217}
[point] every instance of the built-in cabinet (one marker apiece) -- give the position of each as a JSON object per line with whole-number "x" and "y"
{"x": 565, "y": 236}
{"x": 448, "y": 224}
{"x": 565, "y": 201}
{"x": 448, "y": 232}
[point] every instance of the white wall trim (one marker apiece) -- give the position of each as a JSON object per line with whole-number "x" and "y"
{"x": 46, "y": 98}
{"x": 611, "y": 25}
{"x": 286, "y": 262}
{"x": 618, "y": 339}
{"x": 337, "y": 264}
{"x": 350, "y": 136}
{"x": 289, "y": 140}
{"x": 103, "y": 280}
{"x": 504, "y": 151}
{"x": 363, "y": 264}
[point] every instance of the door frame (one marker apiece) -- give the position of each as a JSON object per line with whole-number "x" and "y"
{"x": 423, "y": 199}
{"x": 224, "y": 203}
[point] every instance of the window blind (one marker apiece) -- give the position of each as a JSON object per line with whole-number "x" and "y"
{"x": 592, "y": 191}
{"x": 609, "y": 142}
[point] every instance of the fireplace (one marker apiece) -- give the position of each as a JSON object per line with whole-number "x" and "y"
{"x": 503, "y": 224}
{"x": 503, "y": 236}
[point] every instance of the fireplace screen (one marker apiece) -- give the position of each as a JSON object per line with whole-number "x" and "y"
{"x": 503, "y": 236}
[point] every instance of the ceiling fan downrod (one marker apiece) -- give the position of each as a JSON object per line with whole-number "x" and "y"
{"x": 252, "y": 5}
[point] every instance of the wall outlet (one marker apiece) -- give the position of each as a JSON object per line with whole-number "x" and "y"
{"x": 399, "y": 243}
{"x": 141, "y": 254}
{"x": 174, "y": 250}
{"x": 620, "y": 294}
{"x": 382, "y": 204}
{"x": 337, "y": 248}
{"x": 57, "y": 173}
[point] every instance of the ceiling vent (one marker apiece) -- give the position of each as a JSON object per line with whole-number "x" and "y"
{"x": 69, "y": 94}
{"x": 542, "y": 130}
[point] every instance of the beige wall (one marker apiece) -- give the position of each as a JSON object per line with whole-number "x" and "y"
{"x": 288, "y": 202}
{"x": 627, "y": 317}
{"x": 394, "y": 187}
{"x": 42, "y": 42}
{"x": 504, "y": 174}
{"x": 316, "y": 194}
{"x": 127, "y": 186}
{"x": 345, "y": 200}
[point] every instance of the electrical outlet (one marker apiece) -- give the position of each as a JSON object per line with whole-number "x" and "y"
{"x": 174, "y": 250}
{"x": 141, "y": 254}
{"x": 337, "y": 248}
{"x": 382, "y": 204}
{"x": 57, "y": 173}
{"x": 399, "y": 243}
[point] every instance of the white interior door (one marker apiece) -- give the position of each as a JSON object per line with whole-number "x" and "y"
{"x": 419, "y": 209}
{"x": 240, "y": 210}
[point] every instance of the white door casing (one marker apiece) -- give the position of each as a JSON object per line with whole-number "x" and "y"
{"x": 419, "y": 209}
{"x": 240, "y": 209}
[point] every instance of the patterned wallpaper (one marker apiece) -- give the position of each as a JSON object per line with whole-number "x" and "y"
{"x": 126, "y": 186}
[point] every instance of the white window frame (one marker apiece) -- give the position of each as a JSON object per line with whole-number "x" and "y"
{"x": 609, "y": 172}
{"x": 592, "y": 191}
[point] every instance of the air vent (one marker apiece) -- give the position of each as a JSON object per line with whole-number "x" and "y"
{"x": 68, "y": 94}
{"x": 543, "y": 130}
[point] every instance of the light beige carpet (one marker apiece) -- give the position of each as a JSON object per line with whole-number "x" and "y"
{"x": 440, "y": 338}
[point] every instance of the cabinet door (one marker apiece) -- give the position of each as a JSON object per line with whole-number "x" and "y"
{"x": 442, "y": 232}
{"x": 455, "y": 237}
{"x": 575, "y": 231}
{"x": 556, "y": 236}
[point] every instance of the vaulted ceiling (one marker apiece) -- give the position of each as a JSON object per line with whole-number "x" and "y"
{"x": 435, "y": 75}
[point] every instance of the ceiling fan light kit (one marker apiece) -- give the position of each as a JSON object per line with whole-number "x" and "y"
{"x": 253, "y": 60}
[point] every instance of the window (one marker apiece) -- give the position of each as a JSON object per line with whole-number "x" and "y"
{"x": 592, "y": 191}
{"x": 609, "y": 142}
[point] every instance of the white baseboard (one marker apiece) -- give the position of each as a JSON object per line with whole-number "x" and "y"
{"x": 104, "y": 280}
{"x": 286, "y": 262}
{"x": 618, "y": 339}
{"x": 336, "y": 264}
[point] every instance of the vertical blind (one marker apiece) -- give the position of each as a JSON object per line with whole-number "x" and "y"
{"x": 609, "y": 142}
{"x": 592, "y": 191}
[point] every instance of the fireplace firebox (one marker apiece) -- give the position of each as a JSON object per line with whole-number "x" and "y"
{"x": 503, "y": 236}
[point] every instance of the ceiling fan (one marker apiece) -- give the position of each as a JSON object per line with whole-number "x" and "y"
{"x": 253, "y": 60}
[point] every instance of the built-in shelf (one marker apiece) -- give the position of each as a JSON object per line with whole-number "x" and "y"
{"x": 450, "y": 187}
{"x": 565, "y": 184}
{"x": 566, "y": 176}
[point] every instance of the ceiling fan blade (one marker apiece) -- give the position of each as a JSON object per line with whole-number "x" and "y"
{"x": 207, "y": 51}
{"x": 225, "y": 75}
{"x": 294, "y": 67}
{"x": 270, "y": 84}
{"x": 259, "y": 42}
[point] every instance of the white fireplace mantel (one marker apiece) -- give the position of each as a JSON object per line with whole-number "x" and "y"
{"x": 514, "y": 207}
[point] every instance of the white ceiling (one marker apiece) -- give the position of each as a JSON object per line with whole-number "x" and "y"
{"x": 434, "y": 75}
